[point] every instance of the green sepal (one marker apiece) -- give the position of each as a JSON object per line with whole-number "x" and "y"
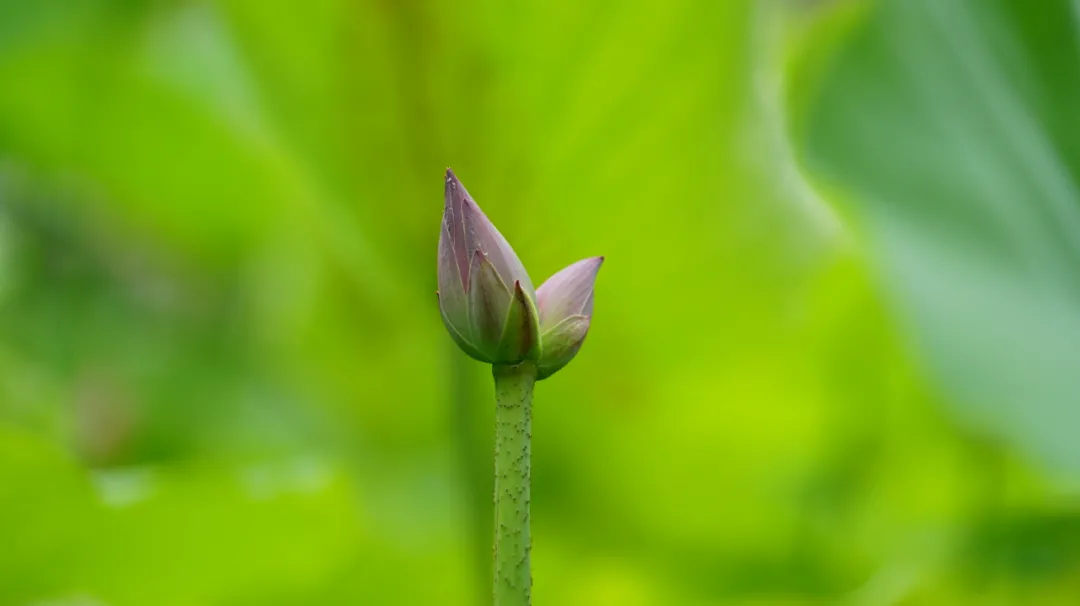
{"x": 521, "y": 330}
{"x": 560, "y": 343}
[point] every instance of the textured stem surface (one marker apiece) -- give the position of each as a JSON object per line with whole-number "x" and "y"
{"x": 513, "y": 450}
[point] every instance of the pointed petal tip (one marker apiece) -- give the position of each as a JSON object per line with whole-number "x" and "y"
{"x": 591, "y": 264}
{"x": 521, "y": 337}
{"x": 568, "y": 292}
{"x": 519, "y": 290}
{"x": 450, "y": 184}
{"x": 456, "y": 195}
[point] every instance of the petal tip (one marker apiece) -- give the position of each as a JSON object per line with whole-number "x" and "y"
{"x": 518, "y": 288}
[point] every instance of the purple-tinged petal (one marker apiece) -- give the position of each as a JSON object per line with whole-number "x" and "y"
{"x": 453, "y": 301}
{"x": 586, "y": 310}
{"x": 462, "y": 341}
{"x": 479, "y": 233}
{"x": 454, "y": 225}
{"x": 569, "y": 292}
{"x": 489, "y": 302}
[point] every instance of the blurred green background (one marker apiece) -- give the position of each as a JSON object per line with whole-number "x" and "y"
{"x": 835, "y": 356}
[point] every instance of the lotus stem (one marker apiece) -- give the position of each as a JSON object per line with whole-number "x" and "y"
{"x": 513, "y": 451}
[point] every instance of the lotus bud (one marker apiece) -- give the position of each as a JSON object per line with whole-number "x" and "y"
{"x": 485, "y": 295}
{"x": 565, "y": 303}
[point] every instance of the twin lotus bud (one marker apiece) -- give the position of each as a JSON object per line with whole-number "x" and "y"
{"x": 488, "y": 303}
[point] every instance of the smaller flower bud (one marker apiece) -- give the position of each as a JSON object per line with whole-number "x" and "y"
{"x": 565, "y": 303}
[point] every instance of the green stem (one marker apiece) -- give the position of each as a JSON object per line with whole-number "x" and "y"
{"x": 513, "y": 451}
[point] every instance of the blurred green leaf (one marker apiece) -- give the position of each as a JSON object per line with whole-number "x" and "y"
{"x": 949, "y": 133}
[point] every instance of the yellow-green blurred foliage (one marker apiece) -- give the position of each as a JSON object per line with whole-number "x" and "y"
{"x": 223, "y": 377}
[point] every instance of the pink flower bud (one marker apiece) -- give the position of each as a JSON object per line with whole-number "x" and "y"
{"x": 485, "y": 295}
{"x": 565, "y": 303}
